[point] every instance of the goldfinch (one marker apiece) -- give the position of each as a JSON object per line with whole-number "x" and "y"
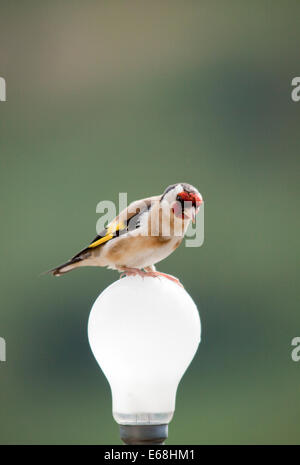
{"x": 143, "y": 234}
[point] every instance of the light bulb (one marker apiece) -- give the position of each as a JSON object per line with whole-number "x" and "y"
{"x": 144, "y": 334}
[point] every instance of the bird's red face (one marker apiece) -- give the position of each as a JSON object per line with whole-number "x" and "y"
{"x": 187, "y": 205}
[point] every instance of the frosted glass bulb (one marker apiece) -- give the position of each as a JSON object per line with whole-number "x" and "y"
{"x": 144, "y": 334}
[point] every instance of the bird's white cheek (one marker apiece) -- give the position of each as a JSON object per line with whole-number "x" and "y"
{"x": 177, "y": 210}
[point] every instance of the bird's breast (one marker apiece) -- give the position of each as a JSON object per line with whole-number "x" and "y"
{"x": 138, "y": 251}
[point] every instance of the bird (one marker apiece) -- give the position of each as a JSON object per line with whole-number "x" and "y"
{"x": 143, "y": 234}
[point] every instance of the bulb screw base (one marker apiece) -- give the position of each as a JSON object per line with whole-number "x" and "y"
{"x": 143, "y": 434}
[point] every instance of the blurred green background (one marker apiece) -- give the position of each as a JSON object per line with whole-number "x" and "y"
{"x": 108, "y": 97}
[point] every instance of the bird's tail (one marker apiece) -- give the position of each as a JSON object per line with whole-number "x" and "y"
{"x": 65, "y": 267}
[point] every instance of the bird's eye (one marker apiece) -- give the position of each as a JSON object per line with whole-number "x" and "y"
{"x": 180, "y": 199}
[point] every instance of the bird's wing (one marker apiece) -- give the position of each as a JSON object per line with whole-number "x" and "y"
{"x": 127, "y": 220}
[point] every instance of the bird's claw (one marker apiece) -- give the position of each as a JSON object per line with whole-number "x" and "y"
{"x": 170, "y": 277}
{"x": 151, "y": 274}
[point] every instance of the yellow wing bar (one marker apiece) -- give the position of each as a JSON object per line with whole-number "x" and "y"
{"x": 102, "y": 240}
{"x": 109, "y": 235}
{"x": 113, "y": 227}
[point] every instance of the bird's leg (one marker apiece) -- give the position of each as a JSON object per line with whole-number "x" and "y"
{"x": 127, "y": 271}
{"x": 149, "y": 271}
{"x": 156, "y": 274}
